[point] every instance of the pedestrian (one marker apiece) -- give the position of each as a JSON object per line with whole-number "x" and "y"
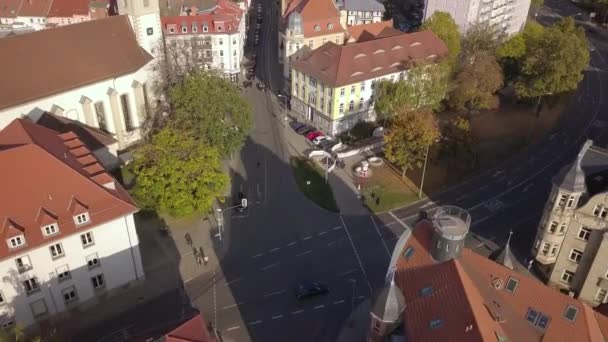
{"x": 206, "y": 260}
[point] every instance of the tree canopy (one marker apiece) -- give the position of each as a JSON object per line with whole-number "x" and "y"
{"x": 444, "y": 26}
{"x": 458, "y": 139}
{"x": 212, "y": 109}
{"x": 424, "y": 87}
{"x": 482, "y": 37}
{"x": 478, "y": 79}
{"x": 178, "y": 174}
{"x": 409, "y": 137}
{"x": 554, "y": 61}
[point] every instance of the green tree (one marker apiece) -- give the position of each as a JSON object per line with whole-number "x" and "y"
{"x": 444, "y": 26}
{"x": 424, "y": 87}
{"x": 409, "y": 138}
{"x": 554, "y": 61}
{"x": 212, "y": 109}
{"x": 482, "y": 37}
{"x": 511, "y": 52}
{"x": 477, "y": 81}
{"x": 178, "y": 174}
{"x": 16, "y": 334}
{"x": 457, "y": 138}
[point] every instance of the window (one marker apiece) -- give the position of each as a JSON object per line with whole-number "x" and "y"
{"x": 23, "y": 264}
{"x": 221, "y": 53}
{"x": 352, "y": 89}
{"x": 194, "y": 28}
{"x": 342, "y": 92}
{"x": 554, "y": 250}
{"x": 16, "y": 241}
{"x": 126, "y": 111}
{"x": 81, "y": 218}
{"x": 69, "y": 295}
{"x": 362, "y": 86}
{"x": 575, "y": 255}
{"x": 93, "y": 260}
{"x": 184, "y": 29}
{"x": 56, "y": 251}
{"x": 98, "y": 282}
{"x": 408, "y": 252}
{"x": 311, "y": 44}
{"x": 570, "y": 313}
{"x": 317, "y": 28}
{"x": 8, "y": 323}
{"x": 601, "y": 295}
{"x": 351, "y": 106}
{"x": 2, "y": 300}
{"x": 234, "y": 52}
{"x": 50, "y": 229}
{"x": 542, "y": 322}
{"x": 426, "y": 291}
{"x": 221, "y": 41}
{"x": 562, "y": 200}
{"x": 341, "y": 109}
{"x": 149, "y": 31}
{"x": 337, "y": 40}
{"x": 63, "y": 273}
{"x": 604, "y": 212}
{"x": 511, "y": 285}
{"x": 100, "y": 113}
{"x": 146, "y": 3}
{"x": 361, "y": 103}
{"x": 570, "y": 202}
{"x": 205, "y": 29}
{"x": 532, "y": 316}
{"x": 31, "y": 285}
{"x": 38, "y": 308}
{"x": 562, "y": 228}
{"x": 373, "y": 84}
{"x": 330, "y": 26}
{"x": 596, "y": 210}
{"x": 567, "y": 277}
{"x": 87, "y": 239}
{"x": 584, "y": 233}
{"x": 436, "y": 323}
{"x": 553, "y": 227}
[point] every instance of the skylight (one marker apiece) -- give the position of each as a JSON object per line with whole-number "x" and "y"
{"x": 408, "y": 252}
{"x": 570, "y": 313}
{"x": 377, "y": 68}
{"x": 360, "y": 55}
{"x": 396, "y": 47}
{"x": 378, "y": 51}
{"x": 415, "y": 44}
{"x": 356, "y": 73}
{"x": 431, "y": 56}
{"x": 436, "y": 323}
{"x": 511, "y": 285}
{"x": 426, "y": 291}
{"x": 537, "y": 318}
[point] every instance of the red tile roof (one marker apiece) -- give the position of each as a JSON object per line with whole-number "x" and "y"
{"x": 315, "y": 13}
{"x": 69, "y": 8}
{"x": 338, "y": 65}
{"x": 224, "y": 18}
{"x": 35, "y": 8}
{"x": 92, "y": 137}
{"x": 67, "y": 57}
{"x": 48, "y": 183}
{"x": 469, "y": 297}
{"x": 365, "y": 32}
{"x": 193, "y": 330}
{"x": 10, "y": 8}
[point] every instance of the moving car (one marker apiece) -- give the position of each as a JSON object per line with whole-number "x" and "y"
{"x": 310, "y": 136}
{"x": 305, "y": 129}
{"x": 310, "y": 289}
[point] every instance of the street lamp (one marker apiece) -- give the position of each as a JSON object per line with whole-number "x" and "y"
{"x": 426, "y": 157}
{"x": 220, "y": 217}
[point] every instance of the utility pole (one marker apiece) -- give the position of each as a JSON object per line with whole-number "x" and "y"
{"x": 326, "y": 169}
{"x": 426, "y": 157}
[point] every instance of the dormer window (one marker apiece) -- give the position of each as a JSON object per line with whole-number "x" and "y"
{"x": 219, "y": 28}
{"x": 81, "y": 219}
{"x": 184, "y": 29}
{"x": 171, "y": 29}
{"x": 194, "y": 28}
{"x": 16, "y": 241}
{"x": 317, "y": 28}
{"x": 205, "y": 28}
{"x": 50, "y": 229}
{"x": 330, "y": 26}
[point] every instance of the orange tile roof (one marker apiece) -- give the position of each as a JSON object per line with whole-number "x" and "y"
{"x": 35, "y": 8}
{"x": 359, "y": 33}
{"x": 69, "y": 8}
{"x": 319, "y": 13}
{"x": 10, "y": 8}
{"x": 466, "y": 286}
{"x": 193, "y": 330}
{"x": 64, "y": 189}
{"x": 338, "y": 65}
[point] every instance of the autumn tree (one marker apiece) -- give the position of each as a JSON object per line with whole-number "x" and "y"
{"x": 409, "y": 137}
{"x": 444, "y": 26}
{"x": 478, "y": 79}
{"x": 423, "y": 88}
{"x": 177, "y": 173}
{"x": 553, "y": 61}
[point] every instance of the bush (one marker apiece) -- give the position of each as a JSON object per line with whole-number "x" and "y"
{"x": 362, "y": 130}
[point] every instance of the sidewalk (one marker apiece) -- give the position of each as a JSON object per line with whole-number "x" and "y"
{"x": 356, "y": 326}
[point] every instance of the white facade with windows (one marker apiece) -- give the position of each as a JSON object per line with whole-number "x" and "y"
{"x": 80, "y": 268}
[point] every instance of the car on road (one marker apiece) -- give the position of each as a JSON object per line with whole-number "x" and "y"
{"x": 304, "y": 130}
{"x": 310, "y": 289}
{"x": 317, "y": 140}
{"x": 295, "y": 125}
{"x": 260, "y": 86}
{"x": 310, "y": 136}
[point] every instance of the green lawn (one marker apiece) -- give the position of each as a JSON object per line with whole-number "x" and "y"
{"x": 384, "y": 191}
{"x": 319, "y": 192}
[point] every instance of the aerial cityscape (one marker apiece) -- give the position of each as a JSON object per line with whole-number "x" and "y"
{"x": 303, "y": 170}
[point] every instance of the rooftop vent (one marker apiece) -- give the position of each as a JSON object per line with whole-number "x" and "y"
{"x": 378, "y": 51}
{"x": 431, "y": 56}
{"x": 377, "y": 68}
{"x": 356, "y": 73}
{"x": 360, "y": 55}
{"x": 396, "y": 47}
{"x": 415, "y": 44}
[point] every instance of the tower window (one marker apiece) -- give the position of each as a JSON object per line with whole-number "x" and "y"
{"x": 149, "y": 31}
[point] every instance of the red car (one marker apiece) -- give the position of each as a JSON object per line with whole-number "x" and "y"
{"x": 313, "y": 135}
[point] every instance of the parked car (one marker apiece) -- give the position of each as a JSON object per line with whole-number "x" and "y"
{"x": 296, "y": 125}
{"x": 261, "y": 86}
{"x": 317, "y": 140}
{"x": 310, "y": 136}
{"x": 304, "y": 130}
{"x": 310, "y": 289}
{"x": 247, "y": 84}
{"x": 250, "y": 77}
{"x": 326, "y": 144}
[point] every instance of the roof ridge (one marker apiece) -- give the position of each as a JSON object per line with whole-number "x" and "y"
{"x": 590, "y": 321}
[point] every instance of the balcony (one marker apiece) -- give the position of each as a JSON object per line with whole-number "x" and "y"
{"x": 24, "y": 268}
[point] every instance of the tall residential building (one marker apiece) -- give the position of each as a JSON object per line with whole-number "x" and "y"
{"x": 69, "y": 238}
{"x": 333, "y": 86}
{"x": 507, "y": 15}
{"x": 436, "y": 289}
{"x": 359, "y": 12}
{"x": 571, "y": 245}
{"x": 304, "y": 26}
{"x": 212, "y": 37}
{"x": 104, "y": 80}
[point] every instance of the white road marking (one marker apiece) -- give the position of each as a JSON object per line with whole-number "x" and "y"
{"x": 274, "y": 250}
{"x": 257, "y": 255}
{"x": 277, "y": 316}
{"x": 274, "y": 293}
{"x": 233, "y": 328}
{"x": 291, "y": 243}
{"x": 390, "y": 223}
{"x": 361, "y": 297}
{"x": 339, "y": 301}
{"x": 269, "y": 266}
{"x": 255, "y": 322}
{"x": 234, "y": 281}
{"x": 232, "y": 306}
{"x": 352, "y": 244}
{"x": 475, "y": 222}
{"x": 322, "y": 233}
{"x": 461, "y": 198}
{"x": 307, "y": 238}
{"x": 427, "y": 205}
{"x": 347, "y": 272}
{"x": 319, "y": 307}
{"x": 297, "y": 312}
{"x": 304, "y": 253}
{"x": 331, "y": 243}
{"x": 336, "y": 228}
{"x": 399, "y": 220}
{"x": 380, "y": 236}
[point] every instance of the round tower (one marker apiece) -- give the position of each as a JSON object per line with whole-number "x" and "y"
{"x": 451, "y": 227}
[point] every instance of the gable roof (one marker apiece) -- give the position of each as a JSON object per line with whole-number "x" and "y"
{"x": 92, "y": 137}
{"x": 67, "y": 57}
{"x": 193, "y": 330}
{"x": 34, "y": 8}
{"x": 338, "y": 65}
{"x": 365, "y": 32}
{"x": 320, "y": 14}
{"x": 70, "y": 184}
{"x": 69, "y": 8}
{"x": 223, "y": 18}
{"x": 364, "y": 5}
{"x": 479, "y": 304}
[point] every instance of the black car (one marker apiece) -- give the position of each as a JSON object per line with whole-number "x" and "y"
{"x": 261, "y": 86}
{"x": 305, "y": 129}
{"x": 310, "y": 289}
{"x": 296, "y": 125}
{"x": 326, "y": 144}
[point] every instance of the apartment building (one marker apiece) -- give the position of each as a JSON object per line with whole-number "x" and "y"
{"x": 305, "y": 26}
{"x": 333, "y": 87}
{"x": 212, "y": 38}
{"x": 69, "y": 235}
{"x": 507, "y": 15}
{"x": 571, "y": 245}
{"x": 436, "y": 289}
{"x": 359, "y": 12}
